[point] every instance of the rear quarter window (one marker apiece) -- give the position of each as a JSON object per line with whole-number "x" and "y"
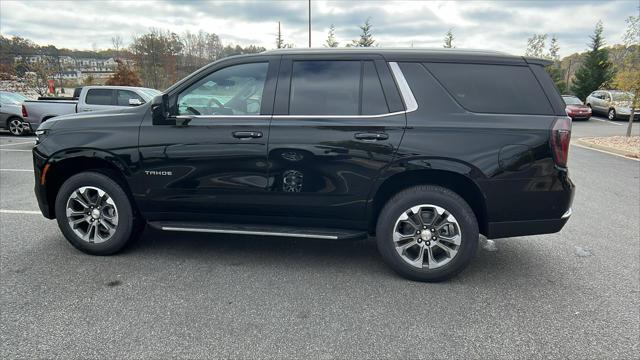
{"x": 501, "y": 89}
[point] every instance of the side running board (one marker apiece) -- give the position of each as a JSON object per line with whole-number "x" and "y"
{"x": 259, "y": 230}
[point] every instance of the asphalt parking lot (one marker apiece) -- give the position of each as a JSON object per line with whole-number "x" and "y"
{"x": 575, "y": 294}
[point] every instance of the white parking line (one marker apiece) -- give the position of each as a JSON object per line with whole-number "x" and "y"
{"x": 18, "y": 170}
{"x": 603, "y": 151}
{"x": 15, "y": 150}
{"x": 607, "y": 121}
{"x": 30, "y": 212}
{"x": 20, "y": 143}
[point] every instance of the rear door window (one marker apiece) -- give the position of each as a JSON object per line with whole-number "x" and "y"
{"x": 99, "y": 97}
{"x": 493, "y": 88}
{"x": 335, "y": 87}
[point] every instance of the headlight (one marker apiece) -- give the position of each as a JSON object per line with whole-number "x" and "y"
{"x": 41, "y": 135}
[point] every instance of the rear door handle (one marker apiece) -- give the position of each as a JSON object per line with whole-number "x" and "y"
{"x": 371, "y": 136}
{"x": 247, "y": 134}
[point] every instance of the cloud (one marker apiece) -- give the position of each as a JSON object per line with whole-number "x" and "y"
{"x": 503, "y": 26}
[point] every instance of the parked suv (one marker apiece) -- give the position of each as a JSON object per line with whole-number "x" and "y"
{"x": 615, "y": 104}
{"x": 408, "y": 145}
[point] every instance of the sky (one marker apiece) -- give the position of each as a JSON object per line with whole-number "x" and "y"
{"x": 495, "y": 25}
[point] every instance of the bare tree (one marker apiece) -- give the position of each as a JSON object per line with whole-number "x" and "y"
{"x": 117, "y": 45}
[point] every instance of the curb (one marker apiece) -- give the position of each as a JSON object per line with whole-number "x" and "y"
{"x": 626, "y": 154}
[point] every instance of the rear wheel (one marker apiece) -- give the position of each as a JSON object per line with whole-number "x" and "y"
{"x": 427, "y": 233}
{"x": 16, "y": 126}
{"x": 95, "y": 214}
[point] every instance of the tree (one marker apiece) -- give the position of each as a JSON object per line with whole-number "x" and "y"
{"x": 123, "y": 76}
{"x": 628, "y": 78}
{"x": 331, "y": 38}
{"x": 37, "y": 77}
{"x": 553, "y": 49}
{"x": 597, "y": 70}
{"x": 117, "y": 42}
{"x": 366, "y": 37}
{"x": 555, "y": 70}
{"x": 536, "y": 45}
{"x": 448, "y": 39}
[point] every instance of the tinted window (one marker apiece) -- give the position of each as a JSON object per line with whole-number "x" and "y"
{"x": 493, "y": 88}
{"x": 99, "y": 97}
{"x": 373, "y": 101}
{"x": 234, "y": 90}
{"x": 325, "y": 88}
{"x": 125, "y": 95}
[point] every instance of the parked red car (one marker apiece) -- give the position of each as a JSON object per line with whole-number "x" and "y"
{"x": 576, "y": 109}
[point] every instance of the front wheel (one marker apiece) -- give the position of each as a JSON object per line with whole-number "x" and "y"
{"x": 427, "y": 233}
{"x": 95, "y": 214}
{"x": 612, "y": 114}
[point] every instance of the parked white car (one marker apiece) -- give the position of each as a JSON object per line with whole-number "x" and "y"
{"x": 91, "y": 98}
{"x": 614, "y": 103}
{"x": 11, "y": 112}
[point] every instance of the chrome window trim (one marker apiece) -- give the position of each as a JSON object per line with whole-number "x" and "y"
{"x": 405, "y": 91}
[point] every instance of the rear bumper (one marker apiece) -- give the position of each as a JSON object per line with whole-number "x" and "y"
{"x": 523, "y": 228}
{"x": 558, "y": 202}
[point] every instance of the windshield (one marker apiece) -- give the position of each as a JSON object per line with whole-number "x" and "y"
{"x": 12, "y": 97}
{"x": 571, "y": 100}
{"x": 150, "y": 93}
{"x": 622, "y": 96}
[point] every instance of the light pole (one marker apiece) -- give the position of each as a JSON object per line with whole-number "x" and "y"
{"x": 309, "y": 23}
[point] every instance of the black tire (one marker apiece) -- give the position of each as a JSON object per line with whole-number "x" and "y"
{"x": 612, "y": 114}
{"x": 434, "y": 195}
{"x": 128, "y": 227}
{"x": 16, "y": 126}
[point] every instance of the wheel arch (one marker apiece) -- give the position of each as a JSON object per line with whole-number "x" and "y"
{"x": 64, "y": 165}
{"x": 447, "y": 175}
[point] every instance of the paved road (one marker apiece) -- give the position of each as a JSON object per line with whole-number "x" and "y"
{"x": 569, "y": 295}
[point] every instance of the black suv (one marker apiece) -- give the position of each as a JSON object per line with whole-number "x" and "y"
{"x": 425, "y": 149}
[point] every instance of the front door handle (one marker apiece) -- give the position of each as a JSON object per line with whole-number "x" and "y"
{"x": 371, "y": 136}
{"x": 247, "y": 134}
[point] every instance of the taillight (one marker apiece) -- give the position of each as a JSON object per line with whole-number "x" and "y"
{"x": 24, "y": 112}
{"x": 560, "y": 137}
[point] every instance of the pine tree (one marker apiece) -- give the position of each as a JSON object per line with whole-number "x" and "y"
{"x": 554, "y": 70}
{"x": 597, "y": 70}
{"x": 448, "y": 39}
{"x": 331, "y": 38}
{"x": 366, "y": 37}
{"x": 553, "y": 49}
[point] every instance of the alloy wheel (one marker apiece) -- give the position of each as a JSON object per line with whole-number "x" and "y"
{"x": 427, "y": 236}
{"x": 612, "y": 114}
{"x": 16, "y": 127}
{"x": 92, "y": 214}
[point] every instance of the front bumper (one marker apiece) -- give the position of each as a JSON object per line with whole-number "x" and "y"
{"x": 40, "y": 190}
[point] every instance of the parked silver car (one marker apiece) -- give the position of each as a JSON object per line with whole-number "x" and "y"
{"x": 91, "y": 98}
{"x": 614, "y": 103}
{"x": 11, "y": 113}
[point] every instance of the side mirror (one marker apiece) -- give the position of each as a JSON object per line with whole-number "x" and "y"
{"x": 135, "y": 102}
{"x": 160, "y": 110}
